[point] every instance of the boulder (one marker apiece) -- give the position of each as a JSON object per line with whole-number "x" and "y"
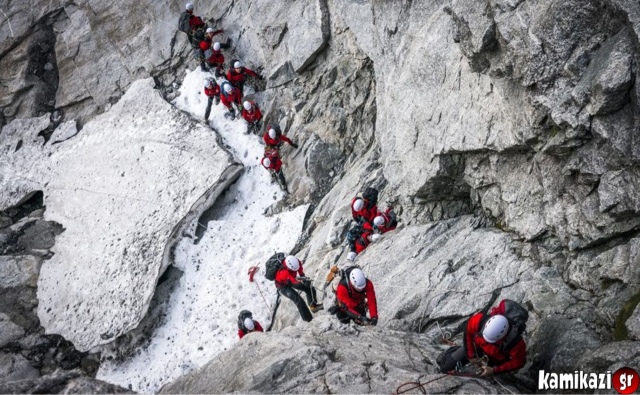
{"x": 115, "y": 190}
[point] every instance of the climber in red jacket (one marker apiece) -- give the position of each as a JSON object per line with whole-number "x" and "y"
{"x": 231, "y": 97}
{"x": 362, "y": 210}
{"x": 251, "y": 113}
{"x": 289, "y": 278}
{"x": 215, "y": 60}
{"x": 355, "y": 293}
{"x": 386, "y": 221}
{"x": 485, "y": 335}
{"x": 212, "y": 91}
{"x": 238, "y": 74}
{"x": 249, "y": 325}
{"x": 272, "y": 162}
{"x": 273, "y": 137}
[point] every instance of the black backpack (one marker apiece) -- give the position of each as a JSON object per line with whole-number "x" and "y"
{"x": 183, "y": 22}
{"x": 273, "y": 265}
{"x": 371, "y": 195}
{"x": 244, "y": 314}
{"x": 353, "y": 234}
{"x": 517, "y": 317}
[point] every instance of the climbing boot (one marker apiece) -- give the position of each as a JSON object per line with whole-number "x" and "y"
{"x": 314, "y": 307}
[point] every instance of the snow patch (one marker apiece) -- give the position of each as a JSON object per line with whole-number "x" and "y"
{"x": 201, "y": 318}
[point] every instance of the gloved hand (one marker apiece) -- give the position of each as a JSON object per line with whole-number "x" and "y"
{"x": 260, "y": 77}
{"x": 294, "y": 145}
{"x": 364, "y": 320}
{"x": 351, "y": 256}
{"x": 374, "y": 321}
{"x": 375, "y": 237}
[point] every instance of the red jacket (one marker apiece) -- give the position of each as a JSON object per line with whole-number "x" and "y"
{"x": 500, "y": 362}
{"x": 214, "y": 91}
{"x": 233, "y": 97}
{"x": 252, "y": 116}
{"x": 196, "y": 22}
{"x": 273, "y": 142}
{"x": 216, "y": 58}
{"x": 236, "y": 78}
{"x": 286, "y": 277}
{"x": 368, "y": 212}
{"x": 363, "y": 241}
{"x": 258, "y": 328}
{"x": 353, "y": 300}
{"x": 387, "y": 218}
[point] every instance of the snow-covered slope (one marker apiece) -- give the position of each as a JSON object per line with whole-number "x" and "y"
{"x": 201, "y": 318}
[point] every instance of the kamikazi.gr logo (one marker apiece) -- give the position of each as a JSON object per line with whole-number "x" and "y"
{"x": 624, "y": 380}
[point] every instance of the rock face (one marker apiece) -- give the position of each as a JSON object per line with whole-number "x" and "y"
{"x": 325, "y": 358}
{"x": 62, "y": 382}
{"x": 104, "y": 187}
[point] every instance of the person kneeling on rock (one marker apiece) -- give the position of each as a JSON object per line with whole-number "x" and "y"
{"x": 289, "y": 278}
{"x": 252, "y": 114}
{"x": 492, "y": 338}
{"x": 231, "y": 98}
{"x": 246, "y": 324}
{"x": 354, "y": 294}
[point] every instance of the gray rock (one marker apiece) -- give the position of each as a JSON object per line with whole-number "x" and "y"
{"x": 633, "y": 324}
{"x": 19, "y": 271}
{"x": 611, "y": 357}
{"x": 618, "y": 193}
{"x": 307, "y": 32}
{"x": 9, "y": 331}
{"x": 14, "y": 367}
{"x": 64, "y": 132}
{"x": 61, "y": 382}
{"x": 325, "y": 357}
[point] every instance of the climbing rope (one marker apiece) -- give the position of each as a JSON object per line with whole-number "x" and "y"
{"x": 416, "y": 384}
{"x": 446, "y": 336}
{"x": 252, "y": 271}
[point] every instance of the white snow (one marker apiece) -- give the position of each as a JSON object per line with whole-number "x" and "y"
{"x": 201, "y": 319}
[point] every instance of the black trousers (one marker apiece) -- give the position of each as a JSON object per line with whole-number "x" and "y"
{"x": 309, "y": 290}
{"x": 450, "y": 358}
{"x": 211, "y": 100}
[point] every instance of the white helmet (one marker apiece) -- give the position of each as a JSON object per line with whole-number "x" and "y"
{"x": 216, "y": 46}
{"x": 209, "y": 30}
{"x": 228, "y": 88}
{"x": 266, "y": 162}
{"x": 247, "y": 105}
{"x": 357, "y": 279}
{"x": 292, "y": 263}
{"x": 248, "y": 324}
{"x": 378, "y": 221}
{"x": 189, "y": 7}
{"x": 358, "y": 204}
{"x": 237, "y": 65}
{"x": 208, "y": 84}
{"x": 272, "y": 133}
{"x": 495, "y": 329}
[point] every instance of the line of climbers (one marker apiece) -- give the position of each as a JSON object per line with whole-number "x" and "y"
{"x": 228, "y": 89}
{"x": 494, "y": 338}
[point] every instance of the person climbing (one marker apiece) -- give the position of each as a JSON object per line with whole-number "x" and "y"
{"x": 364, "y": 208}
{"x": 287, "y": 283}
{"x": 355, "y": 293}
{"x": 272, "y": 162}
{"x": 246, "y": 324}
{"x": 251, "y": 113}
{"x": 359, "y": 237}
{"x": 215, "y": 60}
{"x": 204, "y": 47}
{"x": 231, "y": 97}
{"x": 386, "y": 221}
{"x": 496, "y": 336}
{"x": 273, "y": 137}
{"x": 195, "y": 29}
{"x": 237, "y": 74}
{"x": 212, "y": 91}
